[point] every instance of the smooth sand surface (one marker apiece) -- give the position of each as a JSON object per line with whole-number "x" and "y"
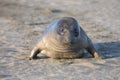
{"x": 23, "y": 21}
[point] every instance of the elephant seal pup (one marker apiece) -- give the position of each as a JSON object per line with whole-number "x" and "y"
{"x": 64, "y": 38}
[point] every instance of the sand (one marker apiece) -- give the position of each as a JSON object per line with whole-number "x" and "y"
{"x": 23, "y": 21}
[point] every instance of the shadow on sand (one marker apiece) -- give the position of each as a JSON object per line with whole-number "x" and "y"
{"x": 109, "y": 49}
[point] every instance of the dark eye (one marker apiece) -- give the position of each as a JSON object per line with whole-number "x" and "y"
{"x": 76, "y": 33}
{"x": 61, "y": 31}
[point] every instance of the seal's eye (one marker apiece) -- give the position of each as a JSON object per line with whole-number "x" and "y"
{"x": 76, "y": 32}
{"x": 61, "y": 31}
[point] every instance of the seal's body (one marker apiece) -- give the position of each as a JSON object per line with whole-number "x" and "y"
{"x": 64, "y": 38}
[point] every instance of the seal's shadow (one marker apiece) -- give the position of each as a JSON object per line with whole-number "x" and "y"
{"x": 109, "y": 49}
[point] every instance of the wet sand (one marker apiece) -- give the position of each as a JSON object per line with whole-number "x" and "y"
{"x": 23, "y": 21}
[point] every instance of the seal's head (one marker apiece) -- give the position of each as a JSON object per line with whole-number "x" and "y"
{"x": 68, "y": 30}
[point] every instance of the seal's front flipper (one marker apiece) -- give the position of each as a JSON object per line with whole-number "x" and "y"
{"x": 34, "y": 53}
{"x": 94, "y": 53}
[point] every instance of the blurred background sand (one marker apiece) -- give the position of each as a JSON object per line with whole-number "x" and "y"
{"x": 23, "y": 21}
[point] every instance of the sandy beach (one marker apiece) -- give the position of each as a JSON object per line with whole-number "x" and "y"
{"x": 23, "y": 21}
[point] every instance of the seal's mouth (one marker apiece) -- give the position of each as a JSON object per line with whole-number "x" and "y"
{"x": 69, "y": 43}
